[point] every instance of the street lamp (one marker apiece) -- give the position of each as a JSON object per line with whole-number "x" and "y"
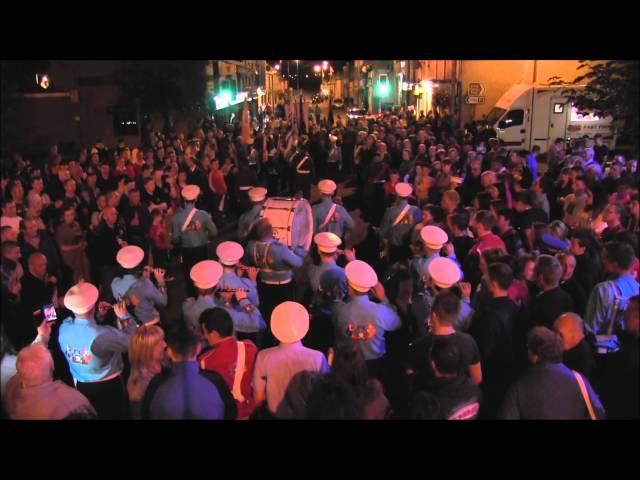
{"x": 317, "y": 68}
{"x": 325, "y": 65}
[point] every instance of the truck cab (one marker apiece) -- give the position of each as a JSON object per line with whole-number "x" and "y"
{"x": 528, "y": 115}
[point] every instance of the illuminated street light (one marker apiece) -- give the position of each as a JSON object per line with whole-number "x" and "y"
{"x": 325, "y": 65}
{"x": 43, "y": 81}
{"x": 317, "y": 68}
{"x": 277, "y": 66}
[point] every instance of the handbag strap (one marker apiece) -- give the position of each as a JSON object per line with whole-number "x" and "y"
{"x": 616, "y": 307}
{"x": 585, "y": 395}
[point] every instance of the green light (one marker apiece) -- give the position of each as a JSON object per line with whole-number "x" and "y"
{"x": 225, "y": 95}
{"x": 383, "y": 89}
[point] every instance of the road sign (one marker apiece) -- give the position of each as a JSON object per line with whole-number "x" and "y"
{"x": 476, "y": 89}
{"x": 474, "y": 100}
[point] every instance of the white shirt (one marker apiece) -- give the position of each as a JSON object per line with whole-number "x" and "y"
{"x": 276, "y": 366}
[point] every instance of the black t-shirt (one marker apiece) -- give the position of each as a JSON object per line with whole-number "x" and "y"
{"x": 548, "y": 306}
{"x": 104, "y": 244}
{"x": 458, "y": 397}
{"x": 157, "y": 197}
{"x": 600, "y": 151}
{"x": 527, "y": 218}
{"x": 577, "y": 294}
{"x": 493, "y": 329}
{"x": 462, "y": 245}
{"x": 106, "y": 185}
{"x": 419, "y": 357}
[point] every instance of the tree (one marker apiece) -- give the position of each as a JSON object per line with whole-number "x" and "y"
{"x": 163, "y": 85}
{"x": 610, "y": 89}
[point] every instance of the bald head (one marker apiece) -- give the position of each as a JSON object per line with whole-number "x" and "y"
{"x": 38, "y": 265}
{"x": 632, "y": 317}
{"x": 35, "y": 365}
{"x": 570, "y": 326}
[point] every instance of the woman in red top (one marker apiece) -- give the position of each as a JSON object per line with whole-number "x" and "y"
{"x": 159, "y": 240}
{"x": 217, "y": 185}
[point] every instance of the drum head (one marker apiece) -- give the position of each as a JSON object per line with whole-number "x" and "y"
{"x": 302, "y": 225}
{"x": 291, "y": 219}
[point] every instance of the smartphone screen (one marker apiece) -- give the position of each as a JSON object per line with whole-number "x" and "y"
{"x": 49, "y": 313}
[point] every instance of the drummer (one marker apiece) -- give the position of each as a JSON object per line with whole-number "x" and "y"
{"x": 328, "y": 216}
{"x": 206, "y": 277}
{"x": 276, "y": 263}
{"x": 398, "y": 221}
{"x": 257, "y": 196}
{"x": 191, "y": 228}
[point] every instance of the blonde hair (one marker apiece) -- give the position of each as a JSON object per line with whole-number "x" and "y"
{"x": 141, "y": 346}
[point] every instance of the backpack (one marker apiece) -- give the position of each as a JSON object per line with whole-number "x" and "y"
{"x": 608, "y": 342}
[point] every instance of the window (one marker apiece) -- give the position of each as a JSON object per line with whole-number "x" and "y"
{"x": 494, "y": 115}
{"x": 512, "y": 119}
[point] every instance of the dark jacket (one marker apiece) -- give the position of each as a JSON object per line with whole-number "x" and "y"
{"x": 581, "y": 359}
{"x": 548, "y": 306}
{"x": 104, "y": 245}
{"x": 513, "y": 241}
{"x": 549, "y": 391}
{"x": 577, "y": 294}
{"x": 493, "y": 330}
{"x": 586, "y": 272}
{"x": 459, "y": 398}
{"x": 618, "y": 383}
{"x": 55, "y": 265}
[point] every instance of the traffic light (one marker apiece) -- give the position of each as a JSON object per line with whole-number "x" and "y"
{"x": 382, "y": 89}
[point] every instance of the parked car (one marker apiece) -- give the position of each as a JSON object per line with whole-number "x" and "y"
{"x": 360, "y": 114}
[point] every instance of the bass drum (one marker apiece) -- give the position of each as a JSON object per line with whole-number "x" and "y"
{"x": 291, "y": 219}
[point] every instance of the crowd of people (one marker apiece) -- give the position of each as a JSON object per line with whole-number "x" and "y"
{"x": 450, "y": 280}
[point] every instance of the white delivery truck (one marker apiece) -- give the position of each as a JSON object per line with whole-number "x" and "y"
{"x": 528, "y": 115}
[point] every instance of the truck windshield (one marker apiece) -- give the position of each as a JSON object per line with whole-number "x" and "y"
{"x": 494, "y": 115}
